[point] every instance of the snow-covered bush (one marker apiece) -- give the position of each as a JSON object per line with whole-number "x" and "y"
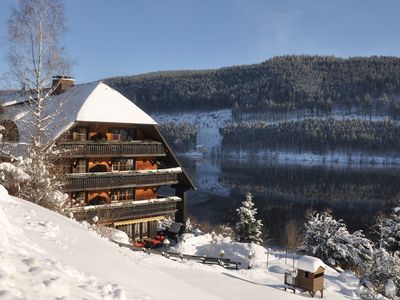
{"x": 382, "y": 274}
{"x": 330, "y": 240}
{"x": 12, "y": 176}
{"x": 188, "y": 226}
{"x": 226, "y": 230}
{"x": 165, "y": 223}
{"x": 248, "y": 229}
{"x": 390, "y": 231}
{"x": 211, "y": 245}
{"x": 112, "y": 234}
{"x": 44, "y": 186}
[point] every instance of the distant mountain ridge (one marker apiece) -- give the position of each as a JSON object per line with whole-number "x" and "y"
{"x": 284, "y": 83}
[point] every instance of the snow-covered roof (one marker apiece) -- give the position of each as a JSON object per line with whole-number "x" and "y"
{"x": 309, "y": 263}
{"x": 92, "y": 102}
{"x": 105, "y": 104}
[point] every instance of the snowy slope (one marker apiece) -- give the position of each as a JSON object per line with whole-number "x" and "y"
{"x": 44, "y": 255}
{"x": 207, "y": 123}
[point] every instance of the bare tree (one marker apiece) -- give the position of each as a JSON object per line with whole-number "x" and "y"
{"x": 36, "y": 55}
{"x": 291, "y": 235}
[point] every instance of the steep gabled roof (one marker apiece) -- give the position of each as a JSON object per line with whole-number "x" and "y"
{"x": 92, "y": 102}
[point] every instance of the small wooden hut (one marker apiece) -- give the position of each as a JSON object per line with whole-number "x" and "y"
{"x": 310, "y": 275}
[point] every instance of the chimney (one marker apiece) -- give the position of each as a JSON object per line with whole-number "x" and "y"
{"x": 61, "y": 83}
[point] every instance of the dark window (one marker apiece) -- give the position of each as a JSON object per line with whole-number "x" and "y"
{"x": 68, "y": 135}
{"x": 80, "y": 134}
{"x": 306, "y": 274}
{"x": 123, "y": 134}
{"x": 319, "y": 275}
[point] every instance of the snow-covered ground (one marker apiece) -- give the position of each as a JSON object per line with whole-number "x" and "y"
{"x": 44, "y": 255}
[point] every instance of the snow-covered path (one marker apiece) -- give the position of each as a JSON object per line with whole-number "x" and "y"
{"x": 44, "y": 255}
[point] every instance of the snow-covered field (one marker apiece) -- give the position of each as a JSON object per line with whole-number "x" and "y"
{"x": 44, "y": 255}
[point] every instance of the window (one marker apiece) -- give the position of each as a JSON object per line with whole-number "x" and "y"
{"x": 68, "y": 135}
{"x": 306, "y": 274}
{"x": 123, "y": 134}
{"x": 122, "y": 195}
{"x": 123, "y": 164}
{"x": 80, "y": 134}
{"x": 79, "y": 166}
{"x": 115, "y": 135}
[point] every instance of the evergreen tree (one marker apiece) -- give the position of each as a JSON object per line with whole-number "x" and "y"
{"x": 248, "y": 229}
{"x": 383, "y": 269}
{"x": 330, "y": 240}
{"x": 391, "y": 231}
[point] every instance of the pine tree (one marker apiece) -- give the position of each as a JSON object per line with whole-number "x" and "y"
{"x": 248, "y": 229}
{"x": 330, "y": 240}
{"x": 383, "y": 268}
{"x": 391, "y": 231}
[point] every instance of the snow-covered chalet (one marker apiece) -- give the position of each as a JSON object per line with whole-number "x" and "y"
{"x": 114, "y": 158}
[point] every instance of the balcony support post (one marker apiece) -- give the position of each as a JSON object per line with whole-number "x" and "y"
{"x": 180, "y": 215}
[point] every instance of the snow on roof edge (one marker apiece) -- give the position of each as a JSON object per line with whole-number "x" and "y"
{"x": 309, "y": 263}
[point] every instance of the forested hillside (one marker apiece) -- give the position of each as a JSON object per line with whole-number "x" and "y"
{"x": 282, "y": 83}
{"x": 316, "y": 135}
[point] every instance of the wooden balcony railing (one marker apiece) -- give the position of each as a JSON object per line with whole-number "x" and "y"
{"x": 109, "y": 180}
{"x": 121, "y": 149}
{"x": 114, "y": 212}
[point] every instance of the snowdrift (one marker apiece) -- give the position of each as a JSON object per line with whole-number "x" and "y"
{"x": 44, "y": 255}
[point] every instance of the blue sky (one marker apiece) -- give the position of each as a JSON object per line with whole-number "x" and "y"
{"x": 123, "y": 37}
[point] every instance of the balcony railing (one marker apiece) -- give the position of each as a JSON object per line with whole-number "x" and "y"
{"x": 109, "y": 180}
{"x": 122, "y": 149}
{"x": 114, "y": 212}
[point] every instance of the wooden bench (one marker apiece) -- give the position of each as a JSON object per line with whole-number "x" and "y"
{"x": 223, "y": 262}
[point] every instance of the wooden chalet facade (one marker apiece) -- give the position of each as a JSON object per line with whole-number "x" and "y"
{"x": 115, "y": 160}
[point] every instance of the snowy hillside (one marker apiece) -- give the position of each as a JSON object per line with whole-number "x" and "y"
{"x": 44, "y": 255}
{"x": 207, "y": 123}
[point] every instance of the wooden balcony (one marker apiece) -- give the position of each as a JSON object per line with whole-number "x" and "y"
{"x": 110, "y": 149}
{"x": 109, "y": 213}
{"x": 110, "y": 180}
